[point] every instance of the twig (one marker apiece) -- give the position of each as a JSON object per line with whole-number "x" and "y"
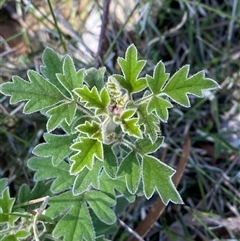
{"x": 102, "y": 36}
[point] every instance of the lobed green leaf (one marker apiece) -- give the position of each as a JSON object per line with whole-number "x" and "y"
{"x": 159, "y": 78}
{"x": 52, "y": 66}
{"x": 91, "y": 129}
{"x": 87, "y": 150}
{"x": 56, "y": 146}
{"x": 70, "y": 79}
{"x": 86, "y": 178}
{"x": 110, "y": 162}
{"x": 38, "y": 92}
{"x": 179, "y": 86}
{"x": 160, "y": 106}
{"x": 45, "y": 171}
{"x": 95, "y": 77}
{"x": 131, "y": 170}
{"x": 6, "y": 205}
{"x": 149, "y": 121}
{"x": 93, "y": 98}
{"x": 157, "y": 176}
{"x": 131, "y": 69}
{"x": 146, "y": 146}
{"x": 100, "y": 204}
{"x": 76, "y": 223}
{"x": 60, "y": 113}
{"x": 108, "y": 185}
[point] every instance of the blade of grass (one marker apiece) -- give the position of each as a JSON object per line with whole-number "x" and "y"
{"x": 56, "y": 25}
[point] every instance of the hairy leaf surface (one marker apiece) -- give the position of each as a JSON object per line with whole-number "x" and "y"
{"x": 91, "y": 129}
{"x": 149, "y": 121}
{"x": 70, "y": 79}
{"x": 100, "y": 204}
{"x": 93, "y": 99}
{"x": 159, "y": 78}
{"x": 129, "y": 124}
{"x": 87, "y": 150}
{"x": 76, "y": 222}
{"x": 131, "y": 68}
{"x": 131, "y": 170}
{"x": 6, "y": 205}
{"x": 110, "y": 162}
{"x": 45, "y": 170}
{"x": 53, "y": 65}
{"x": 58, "y": 114}
{"x": 87, "y": 177}
{"x": 56, "y": 146}
{"x": 157, "y": 176}
{"x": 38, "y": 92}
{"x": 180, "y": 85}
{"x": 160, "y": 106}
{"x": 95, "y": 77}
{"x": 145, "y": 146}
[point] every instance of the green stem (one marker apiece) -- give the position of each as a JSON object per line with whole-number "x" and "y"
{"x": 129, "y": 144}
{"x": 144, "y": 99}
{"x": 84, "y": 109}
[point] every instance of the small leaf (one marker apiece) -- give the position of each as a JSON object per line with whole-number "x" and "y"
{"x": 180, "y": 85}
{"x": 91, "y": 129}
{"x": 6, "y": 205}
{"x": 86, "y": 178}
{"x": 87, "y": 150}
{"x": 76, "y": 223}
{"x": 18, "y": 236}
{"x": 38, "y": 92}
{"x": 159, "y": 78}
{"x": 95, "y": 77}
{"x": 129, "y": 125}
{"x": 131, "y": 68}
{"x": 53, "y": 65}
{"x": 149, "y": 121}
{"x": 93, "y": 99}
{"x": 160, "y": 106}
{"x": 100, "y": 204}
{"x": 157, "y": 176}
{"x": 145, "y": 146}
{"x": 58, "y": 114}
{"x": 130, "y": 169}
{"x": 45, "y": 170}
{"x": 110, "y": 161}
{"x": 56, "y": 146}
{"x": 70, "y": 79}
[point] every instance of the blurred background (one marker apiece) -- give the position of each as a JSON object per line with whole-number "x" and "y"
{"x": 204, "y": 34}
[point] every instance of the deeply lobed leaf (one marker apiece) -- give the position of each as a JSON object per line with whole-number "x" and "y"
{"x": 75, "y": 222}
{"x": 179, "y": 86}
{"x": 93, "y": 99}
{"x": 56, "y": 146}
{"x": 157, "y": 176}
{"x": 38, "y": 92}
{"x": 87, "y": 150}
{"x": 131, "y": 68}
{"x": 45, "y": 171}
